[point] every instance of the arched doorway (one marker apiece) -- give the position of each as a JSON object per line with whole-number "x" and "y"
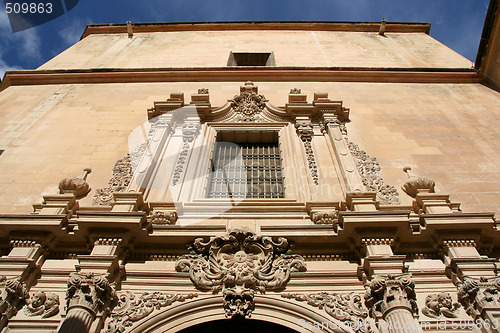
{"x": 240, "y": 326}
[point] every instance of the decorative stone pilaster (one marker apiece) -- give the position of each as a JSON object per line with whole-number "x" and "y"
{"x": 481, "y": 300}
{"x": 87, "y": 295}
{"x": 432, "y": 203}
{"x": 127, "y": 202}
{"x": 104, "y": 256}
{"x": 392, "y": 299}
{"x": 305, "y": 131}
{"x": 337, "y": 132}
{"x": 190, "y": 131}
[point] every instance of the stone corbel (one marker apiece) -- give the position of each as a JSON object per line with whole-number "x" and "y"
{"x": 305, "y": 130}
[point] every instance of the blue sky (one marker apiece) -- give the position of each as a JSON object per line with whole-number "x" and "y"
{"x": 455, "y": 23}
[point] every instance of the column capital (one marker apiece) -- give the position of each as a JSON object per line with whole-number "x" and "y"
{"x": 387, "y": 293}
{"x": 90, "y": 291}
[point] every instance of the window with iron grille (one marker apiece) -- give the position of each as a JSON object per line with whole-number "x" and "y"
{"x": 246, "y": 170}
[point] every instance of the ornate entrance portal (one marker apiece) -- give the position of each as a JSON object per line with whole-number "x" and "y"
{"x": 241, "y": 326}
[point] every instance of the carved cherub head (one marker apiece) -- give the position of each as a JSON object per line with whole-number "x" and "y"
{"x": 432, "y": 302}
{"x": 38, "y": 299}
{"x": 445, "y": 300}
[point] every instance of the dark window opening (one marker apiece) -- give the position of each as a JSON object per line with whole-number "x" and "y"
{"x": 246, "y": 170}
{"x": 251, "y": 59}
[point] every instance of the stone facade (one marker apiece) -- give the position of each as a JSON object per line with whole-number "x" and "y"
{"x": 135, "y": 243}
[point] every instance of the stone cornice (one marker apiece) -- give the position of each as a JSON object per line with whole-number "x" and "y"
{"x": 261, "y": 74}
{"x": 394, "y": 27}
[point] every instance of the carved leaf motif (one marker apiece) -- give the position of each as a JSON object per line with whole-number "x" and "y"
{"x": 344, "y": 307}
{"x": 248, "y": 104}
{"x": 130, "y": 309}
{"x": 369, "y": 169}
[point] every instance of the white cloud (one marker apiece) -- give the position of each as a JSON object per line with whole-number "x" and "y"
{"x": 27, "y": 43}
{"x": 72, "y": 32}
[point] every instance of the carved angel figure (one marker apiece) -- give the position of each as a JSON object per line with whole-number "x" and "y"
{"x": 41, "y": 304}
{"x": 437, "y": 305}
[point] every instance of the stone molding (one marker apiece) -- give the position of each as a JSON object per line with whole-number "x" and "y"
{"x": 239, "y": 264}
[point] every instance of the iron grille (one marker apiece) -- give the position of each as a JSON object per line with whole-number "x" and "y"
{"x": 246, "y": 171}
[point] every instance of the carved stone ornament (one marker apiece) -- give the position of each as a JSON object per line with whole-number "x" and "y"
{"x": 476, "y": 296}
{"x": 189, "y": 133}
{"x": 248, "y": 103}
{"x": 348, "y": 308}
{"x": 78, "y": 185}
{"x": 305, "y": 132}
{"x": 415, "y": 185}
{"x": 41, "y": 304}
{"x": 440, "y": 305}
{"x": 121, "y": 177}
{"x": 13, "y": 295}
{"x": 240, "y": 263}
{"x": 295, "y": 91}
{"x": 131, "y": 308}
{"x": 325, "y": 216}
{"x": 163, "y": 217}
{"x": 203, "y": 91}
{"x": 384, "y": 294}
{"x": 369, "y": 170}
{"x": 89, "y": 290}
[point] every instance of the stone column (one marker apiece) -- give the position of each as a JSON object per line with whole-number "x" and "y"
{"x": 390, "y": 294}
{"x": 478, "y": 283}
{"x": 89, "y": 290}
{"x": 481, "y": 300}
{"x": 87, "y": 295}
{"x": 393, "y": 299}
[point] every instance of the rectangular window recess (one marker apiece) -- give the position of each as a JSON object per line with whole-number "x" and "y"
{"x": 251, "y": 59}
{"x": 246, "y": 169}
